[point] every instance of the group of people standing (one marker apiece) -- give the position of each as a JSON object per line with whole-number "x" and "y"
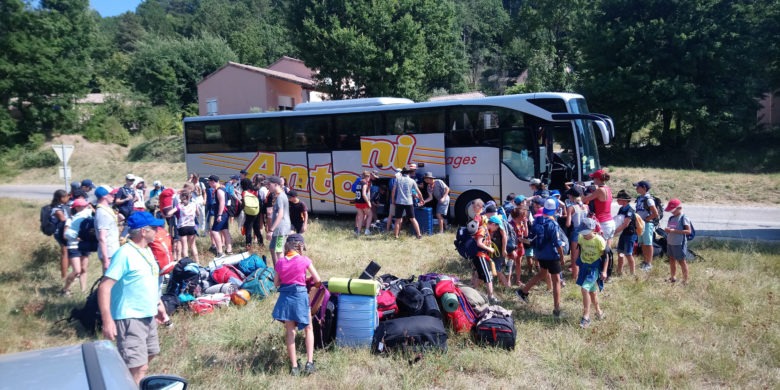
{"x": 403, "y": 192}
{"x": 585, "y": 217}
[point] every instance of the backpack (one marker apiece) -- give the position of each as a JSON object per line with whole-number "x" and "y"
{"x": 162, "y": 250}
{"x": 659, "y": 205}
{"x": 511, "y": 236}
{"x": 465, "y": 243}
{"x": 639, "y": 224}
{"x": 89, "y": 315}
{"x": 260, "y": 283}
{"x": 224, "y": 274}
{"x": 48, "y": 225}
{"x": 251, "y": 204}
{"x": 251, "y": 263}
{"x": 324, "y": 322}
{"x": 691, "y": 236}
{"x": 184, "y": 279}
{"x": 88, "y": 241}
{"x": 356, "y": 185}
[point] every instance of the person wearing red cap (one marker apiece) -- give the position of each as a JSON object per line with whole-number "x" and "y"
{"x": 677, "y": 231}
{"x": 78, "y": 259}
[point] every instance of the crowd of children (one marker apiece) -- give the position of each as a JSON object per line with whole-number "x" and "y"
{"x": 544, "y": 225}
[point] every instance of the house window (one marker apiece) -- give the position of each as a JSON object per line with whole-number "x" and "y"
{"x": 212, "y": 107}
{"x": 286, "y": 103}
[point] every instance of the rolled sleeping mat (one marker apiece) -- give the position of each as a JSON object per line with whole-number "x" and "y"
{"x": 229, "y": 259}
{"x": 353, "y": 286}
{"x": 449, "y": 301}
{"x": 224, "y": 288}
{"x": 430, "y": 307}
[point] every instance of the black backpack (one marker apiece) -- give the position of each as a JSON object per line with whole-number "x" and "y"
{"x": 89, "y": 315}
{"x": 88, "y": 241}
{"x": 465, "y": 244}
{"x": 48, "y": 225}
{"x": 659, "y": 205}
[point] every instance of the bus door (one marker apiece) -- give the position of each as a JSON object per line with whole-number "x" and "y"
{"x": 321, "y": 183}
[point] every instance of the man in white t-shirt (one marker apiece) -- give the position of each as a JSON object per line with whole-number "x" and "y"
{"x": 106, "y": 226}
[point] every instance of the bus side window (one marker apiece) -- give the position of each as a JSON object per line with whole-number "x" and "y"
{"x": 517, "y": 153}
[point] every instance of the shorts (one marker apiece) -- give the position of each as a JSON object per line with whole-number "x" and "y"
{"x": 361, "y": 206}
{"x": 677, "y": 252}
{"x": 552, "y": 266}
{"x": 442, "y": 208}
{"x": 626, "y": 244}
{"x": 574, "y": 236}
{"x": 73, "y": 253}
{"x": 401, "y": 208}
{"x": 185, "y": 231}
{"x": 277, "y": 243}
{"x": 500, "y": 263}
{"x": 607, "y": 229}
{"x": 481, "y": 265}
{"x": 136, "y": 340}
{"x": 221, "y": 225}
{"x": 648, "y": 234}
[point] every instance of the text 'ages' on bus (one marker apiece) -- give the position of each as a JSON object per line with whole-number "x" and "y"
{"x": 483, "y": 148}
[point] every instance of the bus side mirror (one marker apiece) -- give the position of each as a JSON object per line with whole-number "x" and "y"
{"x": 604, "y": 131}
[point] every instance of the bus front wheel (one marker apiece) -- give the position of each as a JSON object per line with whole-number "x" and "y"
{"x": 463, "y": 210}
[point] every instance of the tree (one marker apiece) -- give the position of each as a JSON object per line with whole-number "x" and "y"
{"x": 660, "y": 62}
{"x": 379, "y": 48}
{"x": 44, "y": 64}
{"x": 484, "y": 25}
{"x": 168, "y": 70}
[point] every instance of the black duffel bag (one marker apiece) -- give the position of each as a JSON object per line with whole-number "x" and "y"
{"x": 496, "y": 331}
{"x": 410, "y": 334}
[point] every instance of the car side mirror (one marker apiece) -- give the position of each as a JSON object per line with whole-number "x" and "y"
{"x": 163, "y": 382}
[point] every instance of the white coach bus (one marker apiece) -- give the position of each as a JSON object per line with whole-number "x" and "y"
{"x": 483, "y": 148}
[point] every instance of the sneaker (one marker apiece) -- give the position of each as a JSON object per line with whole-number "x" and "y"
{"x": 523, "y": 296}
{"x": 557, "y": 313}
{"x": 601, "y": 316}
{"x": 296, "y": 371}
{"x": 494, "y": 301}
{"x": 309, "y": 369}
{"x": 368, "y": 232}
{"x": 671, "y": 280}
{"x": 65, "y": 293}
{"x": 584, "y": 322}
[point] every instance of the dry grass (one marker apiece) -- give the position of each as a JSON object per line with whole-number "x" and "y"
{"x": 721, "y": 331}
{"x": 107, "y": 164}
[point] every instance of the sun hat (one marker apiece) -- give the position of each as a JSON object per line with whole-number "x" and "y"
{"x": 130, "y": 177}
{"x": 623, "y": 195}
{"x": 535, "y": 182}
{"x": 429, "y": 175}
{"x": 673, "y": 204}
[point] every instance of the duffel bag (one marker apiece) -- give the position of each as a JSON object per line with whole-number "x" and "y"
{"x": 410, "y": 334}
{"x": 496, "y": 331}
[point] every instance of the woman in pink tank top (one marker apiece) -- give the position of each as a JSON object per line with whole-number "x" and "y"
{"x": 602, "y": 201}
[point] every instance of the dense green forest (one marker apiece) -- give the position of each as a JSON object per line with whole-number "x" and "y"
{"x": 678, "y": 75}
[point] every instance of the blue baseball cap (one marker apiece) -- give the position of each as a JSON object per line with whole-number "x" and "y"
{"x": 87, "y": 183}
{"x": 519, "y": 199}
{"x": 140, "y": 219}
{"x": 102, "y": 191}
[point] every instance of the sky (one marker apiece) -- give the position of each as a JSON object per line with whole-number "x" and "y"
{"x": 113, "y": 7}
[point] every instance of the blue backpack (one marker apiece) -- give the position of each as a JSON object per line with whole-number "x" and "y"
{"x": 691, "y": 236}
{"x": 251, "y": 263}
{"x": 260, "y": 283}
{"x": 465, "y": 243}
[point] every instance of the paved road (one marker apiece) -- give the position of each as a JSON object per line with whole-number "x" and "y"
{"x": 723, "y": 221}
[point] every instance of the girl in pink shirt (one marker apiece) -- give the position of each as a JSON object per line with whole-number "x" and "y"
{"x": 292, "y": 306}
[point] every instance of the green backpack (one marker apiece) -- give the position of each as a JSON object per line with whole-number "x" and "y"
{"x": 260, "y": 283}
{"x": 251, "y": 204}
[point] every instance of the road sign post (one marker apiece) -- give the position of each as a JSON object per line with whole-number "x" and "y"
{"x": 63, "y": 152}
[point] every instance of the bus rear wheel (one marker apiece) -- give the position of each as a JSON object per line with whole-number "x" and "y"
{"x": 463, "y": 211}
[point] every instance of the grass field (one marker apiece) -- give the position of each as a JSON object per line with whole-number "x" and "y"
{"x": 720, "y": 331}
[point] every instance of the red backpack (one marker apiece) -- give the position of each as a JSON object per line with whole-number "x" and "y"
{"x": 386, "y": 304}
{"x": 464, "y": 317}
{"x": 225, "y": 272}
{"x": 163, "y": 251}
{"x": 166, "y": 198}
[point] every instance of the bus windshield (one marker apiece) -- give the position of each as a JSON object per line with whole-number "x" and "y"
{"x": 589, "y": 154}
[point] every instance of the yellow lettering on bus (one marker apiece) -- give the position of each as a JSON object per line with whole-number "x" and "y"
{"x": 320, "y": 179}
{"x": 297, "y": 175}
{"x": 386, "y": 153}
{"x": 263, "y": 164}
{"x": 342, "y": 185}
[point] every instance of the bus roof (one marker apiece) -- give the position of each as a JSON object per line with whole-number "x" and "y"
{"x": 386, "y": 104}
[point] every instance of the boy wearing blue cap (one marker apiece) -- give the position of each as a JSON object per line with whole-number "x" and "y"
{"x": 544, "y": 238}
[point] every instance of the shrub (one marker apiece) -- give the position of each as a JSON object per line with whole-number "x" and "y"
{"x": 39, "y": 159}
{"x": 106, "y": 129}
{"x": 168, "y": 149}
